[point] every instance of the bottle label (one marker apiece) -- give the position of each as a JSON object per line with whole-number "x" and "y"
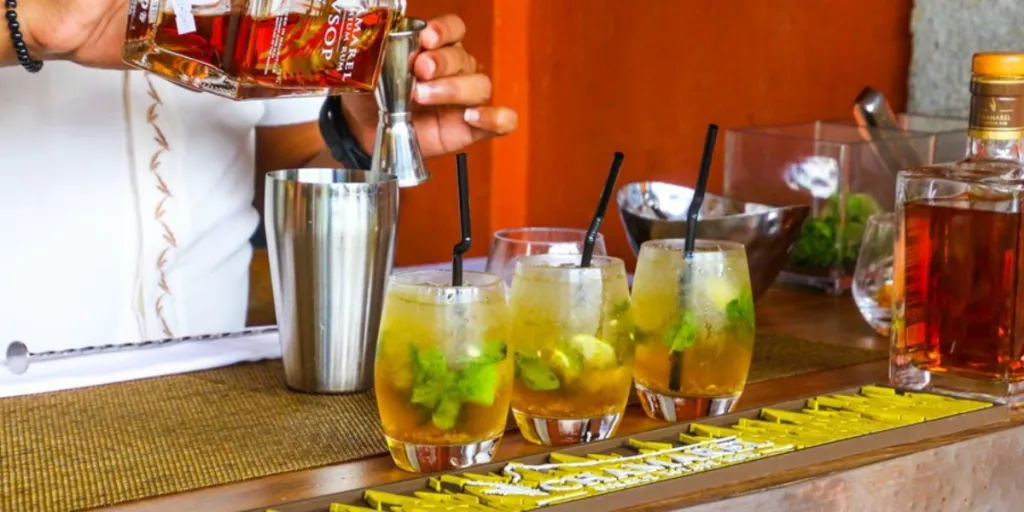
{"x": 997, "y": 108}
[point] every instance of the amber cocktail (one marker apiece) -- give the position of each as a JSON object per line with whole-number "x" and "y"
{"x": 444, "y": 373}
{"x": 694, "y": 328}
{"x": 571, "y": 330}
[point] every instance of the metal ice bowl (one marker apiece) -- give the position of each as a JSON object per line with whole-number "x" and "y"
{"x": 654, "y": 210}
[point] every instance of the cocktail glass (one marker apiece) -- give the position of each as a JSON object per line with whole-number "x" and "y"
{"x": 510, "y": 244}
{"x": 694, "y": 328}
{"x": 572, "y": 334}
{"x": 872, "y": 281}
{"x": 443, "y": 374}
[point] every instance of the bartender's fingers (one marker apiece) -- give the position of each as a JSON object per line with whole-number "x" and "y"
{"x": 442, "y": 31}
{"x": 446, "y": 130}
{"x": 447, "y": 61}
{"x": 491, "y": 121}
{"x": 465, "y": 90}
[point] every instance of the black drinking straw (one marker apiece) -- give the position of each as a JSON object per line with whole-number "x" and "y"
{"x": 675, "y": 374}
{"x": 463, "y": 246}
{"x": 602, "y": 205}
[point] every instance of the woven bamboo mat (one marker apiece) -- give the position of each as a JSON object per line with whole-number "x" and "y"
{"x": 100, "y": 446}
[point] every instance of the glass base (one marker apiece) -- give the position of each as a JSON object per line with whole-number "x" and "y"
{"x": 904, "y": 375}
{"x": 430, "y": 458}
{"x": 558, "y": 432}
{"x": 683, "y": 408}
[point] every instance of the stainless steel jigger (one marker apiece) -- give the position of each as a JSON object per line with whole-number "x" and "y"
{"x": 397, "y": 152}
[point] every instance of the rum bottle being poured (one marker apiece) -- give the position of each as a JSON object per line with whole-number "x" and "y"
{"x": 245, "y": 49}
{"x": 958, "y": 323}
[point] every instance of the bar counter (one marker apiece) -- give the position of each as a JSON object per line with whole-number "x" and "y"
{"x": 970, "y": 470}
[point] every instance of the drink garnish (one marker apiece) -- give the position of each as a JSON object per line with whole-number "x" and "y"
{"x": 595, "y": 353}
{"x": 441, "y": 391}
{"x": 534, "y": 374}
{"x": 740, "y": 311}
{"x": 566, "y": 363}
{"x": 682, "y": 334}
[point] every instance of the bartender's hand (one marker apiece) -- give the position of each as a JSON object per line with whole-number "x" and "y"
{"x": 89, "y": 32}
{"x": 451, "y": 96}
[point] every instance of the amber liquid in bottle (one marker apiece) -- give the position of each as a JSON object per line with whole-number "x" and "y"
{"x": 961, "y": 287}
{"x": 238, "y": 55}
{"x": 958, "y": 321}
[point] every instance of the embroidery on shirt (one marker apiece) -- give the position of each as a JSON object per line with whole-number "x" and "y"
{"x": 152, "y": 114}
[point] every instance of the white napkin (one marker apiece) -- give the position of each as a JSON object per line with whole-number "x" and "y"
{"x": 98, "y": 369}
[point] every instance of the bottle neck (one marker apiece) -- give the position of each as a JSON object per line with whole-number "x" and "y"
{"x": 996, "y": 122}
{"x": 989, "y": 150}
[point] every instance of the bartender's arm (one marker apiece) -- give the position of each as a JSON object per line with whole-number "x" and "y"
{"x": 454, "y": 114}
{"x": 89, "y": 32}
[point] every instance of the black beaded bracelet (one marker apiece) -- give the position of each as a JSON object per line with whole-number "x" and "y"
{"x": 30, "y": 64}
{"x": 339, "y": 139}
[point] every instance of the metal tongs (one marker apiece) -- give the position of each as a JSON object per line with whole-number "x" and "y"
{"x": 888, "y": 140}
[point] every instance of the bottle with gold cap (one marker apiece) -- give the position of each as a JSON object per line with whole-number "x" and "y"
{"x": 958, "y": 309}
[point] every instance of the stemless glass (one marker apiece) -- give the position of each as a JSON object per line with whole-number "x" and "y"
{"x": 510, "y": 244}
{"x": 571, "y": 331}
{"x": 872, "y": 280}
{"x": 443, "y": 377}
{"x": 694, "y": 328}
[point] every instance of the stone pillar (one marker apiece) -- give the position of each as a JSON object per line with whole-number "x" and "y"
{"x": 945, "y": 35}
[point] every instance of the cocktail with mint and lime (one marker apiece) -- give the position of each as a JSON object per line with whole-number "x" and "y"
{"x": 694, "y": 327}
{"x": 572, "y": 334}
{"x": 443, "y": 375}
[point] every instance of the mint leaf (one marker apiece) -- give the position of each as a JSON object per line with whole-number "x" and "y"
{"x": 740, "y": 311}
{"x": 620, "y": 314}
{"x": 441, "y": 391}
{"x": 534, "y": 374}
{"x": 477, "y": 377}
{"x": 431, "y": 378}
{"x": 491, "y": 351}
{"x": 478, "y": 383}
{"x": 820, "y": 244}
{"x": 446, "y": 413}
{"x": 742, "y": 307}
{"x": 683, "y": 333}
{"x": 593, "y": 352}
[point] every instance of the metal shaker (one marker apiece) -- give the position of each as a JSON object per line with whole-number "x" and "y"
{"x": 330, "y": 238}
{"x": 397, "y": 150}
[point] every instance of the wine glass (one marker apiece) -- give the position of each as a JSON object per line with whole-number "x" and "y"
{"x": 872, "y": 279}
{"x": 509, "y": 245}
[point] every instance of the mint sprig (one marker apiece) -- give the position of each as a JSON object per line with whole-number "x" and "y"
{"x": 740, "y": 312}
{"x": 534, "y": 374}
{"x": 441, "y": 391}
{"x": 821, "y": 245}
{"x": 682, "y": 334}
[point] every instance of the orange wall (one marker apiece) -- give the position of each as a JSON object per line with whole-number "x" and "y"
{"x": 590, "y": 78}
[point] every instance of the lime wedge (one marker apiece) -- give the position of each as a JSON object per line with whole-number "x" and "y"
{"x": 595, "y": 352}
{"x": 566, "y": 363}
{"x": 719, "y": 292}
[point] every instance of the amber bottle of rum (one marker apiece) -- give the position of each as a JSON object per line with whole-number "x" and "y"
{"x": 245, "y": 49}
{"x": 958, "y": 323}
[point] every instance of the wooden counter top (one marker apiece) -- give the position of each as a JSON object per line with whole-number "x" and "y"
{"x": 802, "y": 314}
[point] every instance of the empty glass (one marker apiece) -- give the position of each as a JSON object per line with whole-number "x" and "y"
{"x": 872, "y": 280}
{"x": 510, "y": 244}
